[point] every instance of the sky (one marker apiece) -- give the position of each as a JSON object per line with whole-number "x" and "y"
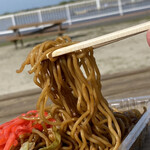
{"x": 10, "y": 6}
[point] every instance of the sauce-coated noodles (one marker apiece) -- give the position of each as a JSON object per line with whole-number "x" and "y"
{"x": 72, "y": 82}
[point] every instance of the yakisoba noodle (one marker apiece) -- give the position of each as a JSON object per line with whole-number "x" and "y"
{"x": 72, "y": 82}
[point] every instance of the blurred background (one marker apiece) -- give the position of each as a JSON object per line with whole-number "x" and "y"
{"x": 81, "y": 20}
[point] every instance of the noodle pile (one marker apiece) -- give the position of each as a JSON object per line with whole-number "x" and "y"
{"x": 72, "y": 82}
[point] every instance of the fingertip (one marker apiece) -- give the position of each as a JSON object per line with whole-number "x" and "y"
{"x": 148, "y": 37}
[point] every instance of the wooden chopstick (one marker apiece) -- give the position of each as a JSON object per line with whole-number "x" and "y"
{"x": 104, "y": 40}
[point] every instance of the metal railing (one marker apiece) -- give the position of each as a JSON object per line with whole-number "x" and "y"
{"x": 74, "y": 12}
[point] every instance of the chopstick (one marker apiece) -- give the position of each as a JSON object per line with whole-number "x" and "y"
{"x": 104, "y": 40}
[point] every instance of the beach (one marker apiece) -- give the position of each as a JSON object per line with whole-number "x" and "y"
{"x": 130, "y": 54}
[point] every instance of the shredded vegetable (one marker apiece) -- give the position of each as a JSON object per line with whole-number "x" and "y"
{"x": 27, "y": 145}
{"x": 56, "y": 143}
{"x": 12, "y": 130}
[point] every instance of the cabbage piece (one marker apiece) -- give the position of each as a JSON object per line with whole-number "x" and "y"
{"x": 55, "y": 144}
{"x": 26, "y": 146}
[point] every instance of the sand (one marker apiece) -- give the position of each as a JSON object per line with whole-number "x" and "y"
{"x": 129, "y": 54}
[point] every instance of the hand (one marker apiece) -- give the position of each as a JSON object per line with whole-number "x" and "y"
{"x": 148, "y": 37}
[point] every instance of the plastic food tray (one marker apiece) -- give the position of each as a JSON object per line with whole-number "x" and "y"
{"x": 137, "y": 135}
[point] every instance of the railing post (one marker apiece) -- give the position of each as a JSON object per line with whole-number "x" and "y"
{"x": 40, "y": 16}
{"x": 13, "y": 20}
{"x": 98, "y": 4}
{"x": 120, "y": 7}
{"x": 68, "y": 14}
